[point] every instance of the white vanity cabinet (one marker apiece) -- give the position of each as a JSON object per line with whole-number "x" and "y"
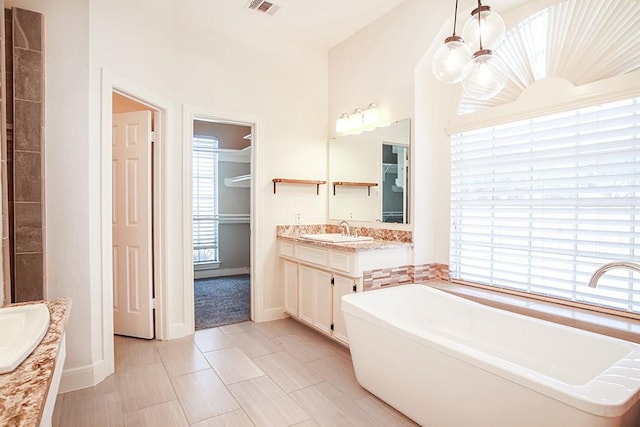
{"x": 316, "y": 278}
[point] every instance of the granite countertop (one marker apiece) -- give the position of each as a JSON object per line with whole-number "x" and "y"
{"x": 23, "y": 392}
{"x": 383, "y": 238}
{"x": 367, "y": 245}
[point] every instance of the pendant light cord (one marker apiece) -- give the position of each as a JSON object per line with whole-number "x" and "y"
{"x": 455, "y": 18}
{"x": 479, "y": 28}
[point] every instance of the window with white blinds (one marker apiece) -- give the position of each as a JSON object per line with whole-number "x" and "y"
{"x": 205, "y": 200}
{"x": 539, "y": 204}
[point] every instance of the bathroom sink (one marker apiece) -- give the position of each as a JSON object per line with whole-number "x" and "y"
{"x": 21, "y": 330}
{"x": 335, "y": 238}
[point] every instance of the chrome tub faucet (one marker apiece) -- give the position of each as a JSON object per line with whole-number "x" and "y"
{"x": 610, "y": 266}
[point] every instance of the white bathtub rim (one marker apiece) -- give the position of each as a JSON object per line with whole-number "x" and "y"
{"x": 610, "y": 394}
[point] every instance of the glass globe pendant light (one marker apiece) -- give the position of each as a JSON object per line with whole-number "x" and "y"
{"x": 451, "y": 59}
{"x": 484, "y": 23}
{"x": 486, "y": 74}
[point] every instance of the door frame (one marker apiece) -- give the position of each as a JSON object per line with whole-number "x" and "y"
{"x": 191, "y": 113}
{"x": 160, "y": 107}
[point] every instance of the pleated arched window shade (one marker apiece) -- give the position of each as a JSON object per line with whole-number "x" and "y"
{"x": 582, "y": 41}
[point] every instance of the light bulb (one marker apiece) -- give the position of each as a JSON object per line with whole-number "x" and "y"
{"x": 491, "y": 25}
{"x": 451, "y": 59}
{"x": 486, "y": 75}
{"x": 355, "y": 119}
{"x": 370, "y": 115}
{"x": 342, "y": 124}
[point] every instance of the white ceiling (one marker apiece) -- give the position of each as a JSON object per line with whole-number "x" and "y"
{"x": 317, "y": 23}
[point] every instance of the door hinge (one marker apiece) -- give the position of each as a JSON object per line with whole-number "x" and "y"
{"x": 355, "y": 289}
{"x": 333, "y": 281}
{"x": 153, "y": 303}
{"x": 332, "y": 326}
{"x": 153, "y": 137}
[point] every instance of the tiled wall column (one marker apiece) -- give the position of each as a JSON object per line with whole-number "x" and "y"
{"x": 4, "y": 244}
{"x": 28, "y": 155}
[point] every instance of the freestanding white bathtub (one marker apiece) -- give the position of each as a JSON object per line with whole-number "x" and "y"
{"x": 445, "y": 361}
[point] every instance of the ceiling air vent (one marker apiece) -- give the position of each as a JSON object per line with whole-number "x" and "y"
{"x": 263, "y": 6}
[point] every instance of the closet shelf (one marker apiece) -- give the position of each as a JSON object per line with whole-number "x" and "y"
{"x": 297, "y": 181}
{"x": 354, "y": 184}
{"x": 243, "y": 181}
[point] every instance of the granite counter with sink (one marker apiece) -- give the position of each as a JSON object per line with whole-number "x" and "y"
{"x": 381, "y": 238}
{"x": 24, "y": 392}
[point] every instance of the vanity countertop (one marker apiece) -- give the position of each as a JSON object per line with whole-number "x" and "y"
{"x": 23, "y": 392}
{"x": 383, "y": 239}
{"x": 367, "y": 245}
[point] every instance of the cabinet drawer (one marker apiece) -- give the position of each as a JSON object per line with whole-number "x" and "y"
{"x": 341, "y": 261}
{"x": 286, "y": 249}
{"x": 311, "y": 255}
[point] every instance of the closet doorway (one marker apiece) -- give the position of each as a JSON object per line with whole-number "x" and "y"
{"x": 221, "y": 218}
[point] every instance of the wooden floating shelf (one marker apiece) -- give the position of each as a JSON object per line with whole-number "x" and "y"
{"x": 354, "y": 184}
{"x": 297, "y": 181}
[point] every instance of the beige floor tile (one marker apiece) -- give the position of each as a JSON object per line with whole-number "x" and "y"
{"x": 106, "y": 386}
{"x": 182, "y": 358}
{"x": 145, "y": 386}
{"x": 97, "y": 411}
{"x": 278, "y": 328}
{"x": 329, "y": 407}
{"x": 305, "y": 348}
{"x": 237, "y": 327}
{"x": 255, "y": 344}
{"x": 132, "y": 352}
{"x": 57, "y": 411}
{"x": 168, "y": 414}
{"x": 203, "y": 395}
{"x": 339, "y": 372}
{"x": 230, "y": 419}
{"x": 308, "y": 423}
{"x": 266, "y": 404}
{"x": 212, "y": 339}
{"x": 232, "y": 365}
{"x": 385, "y": 414}
{"x": 287, "y": 371}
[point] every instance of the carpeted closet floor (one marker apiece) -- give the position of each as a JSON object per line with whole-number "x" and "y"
{"x": 221, "y": 301}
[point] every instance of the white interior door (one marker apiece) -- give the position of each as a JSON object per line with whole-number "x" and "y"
{"x": 132, "y": 262}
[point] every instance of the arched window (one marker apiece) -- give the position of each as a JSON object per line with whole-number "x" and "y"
{"x": 582, "y": 41}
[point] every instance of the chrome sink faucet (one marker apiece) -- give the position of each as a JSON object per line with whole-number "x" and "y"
{"x": 347, "y": 229}
{"x": 610, "y": 266}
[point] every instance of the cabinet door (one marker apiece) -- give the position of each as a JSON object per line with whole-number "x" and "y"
{"x": 342, "y": 286}
{"x": 305, "y": 293}
{"x": 315, "y": 303}
{"x": 291, "y": 288}
{"x": 323, "y": 316}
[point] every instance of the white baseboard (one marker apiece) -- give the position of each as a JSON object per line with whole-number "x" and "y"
{"x": 220, "y": 272}
{"x": 273, "y": 314}
{"x": 84, "y": 376}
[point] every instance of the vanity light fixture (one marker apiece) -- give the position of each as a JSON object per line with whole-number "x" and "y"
{"x": 360, "y": 119}
{"x": 483, "y": 74}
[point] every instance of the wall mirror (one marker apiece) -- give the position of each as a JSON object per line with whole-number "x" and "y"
{"x": 369, "y": 175}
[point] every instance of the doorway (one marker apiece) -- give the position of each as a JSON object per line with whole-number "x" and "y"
{"x": 221, "y": 218}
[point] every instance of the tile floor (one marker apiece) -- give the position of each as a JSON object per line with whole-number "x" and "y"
{"x": 249, "y": 374}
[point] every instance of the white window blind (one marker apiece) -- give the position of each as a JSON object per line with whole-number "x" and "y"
{"x": 539, "y": 204}
{"x": 205, "y": 200}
